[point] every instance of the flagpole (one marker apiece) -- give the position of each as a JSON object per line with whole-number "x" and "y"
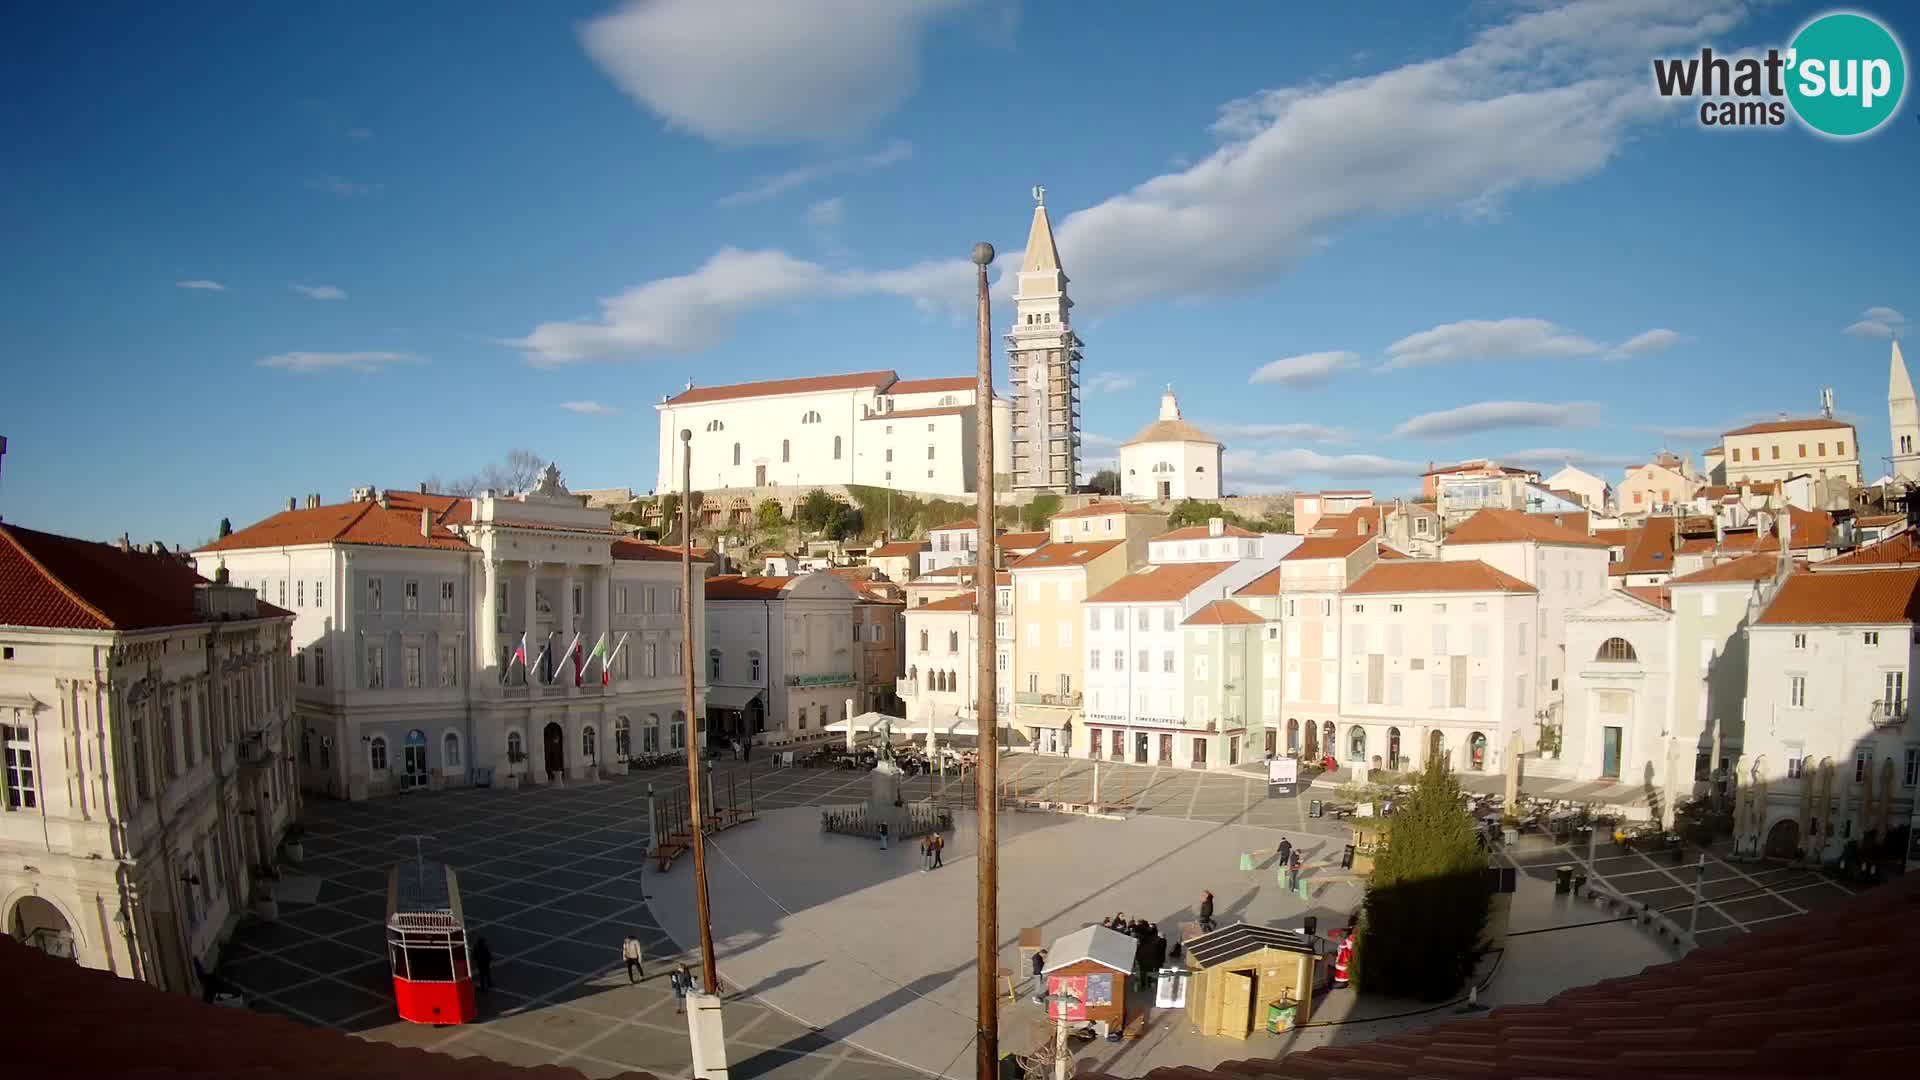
{"x": 986, "y": 778}
{"x": 710, "y": 979}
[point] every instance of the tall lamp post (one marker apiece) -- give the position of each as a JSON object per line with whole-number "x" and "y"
{"x": 986, "y": 781}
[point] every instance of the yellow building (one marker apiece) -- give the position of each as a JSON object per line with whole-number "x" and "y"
{"x": 1823, "y": 448}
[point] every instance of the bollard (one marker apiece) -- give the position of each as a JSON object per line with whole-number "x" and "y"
{"x": 1562, "y": 879}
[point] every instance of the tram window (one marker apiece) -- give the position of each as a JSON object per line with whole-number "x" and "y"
{"x": 399, "y": 962}
{"x": 433, "y": 963}
{"x": 460, "y": 972}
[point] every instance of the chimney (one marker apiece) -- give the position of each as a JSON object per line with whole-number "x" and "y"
{"x": 126, "y": 542}
{"x": 1216, "y": 526}
{"x": 384, "y": 504}
{"x": 426, "y": 522}
{"x": 289, "y": 502}
{"x": 423, "y": 487}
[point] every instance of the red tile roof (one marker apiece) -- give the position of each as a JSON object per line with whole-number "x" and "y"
{"x": 742, "y": 587}
{"x": 1071, "y": 553}
{"x": 1806, "y": 599}
{"x": 1772, "y": 426}
{"x": 1021, "y": 541}
{"x": 1327, "y": 547}
{"x": 898, "y": 548}
{"x": 1432, "y": 575}
{"x": 957, "y": 602}
{"x": 1566, "y": 519}
{"x": 1267, "y": 584}
{"x": 1099, "y": 509}
{"x": 1511, "y": 526}
{"x": 1810, "y": 995}
{"x": 933, "y": 386}
{"x": 447, "y": 509}
{"x": 1757, "y": 567}
{"x": 1203, "y": 532}
{"x": 1657, "y": 595}
{"x": 343, "y": 523}
{"x": 1360, "y": 521}
{"x": 58, "y": 582}
{"x": 632, "y": 550}
{"x": 970, "y": 524}
{"x": 1899, "y": 549}
{"x": 877, "y": 380}
{"x": 1159, "y": 583}
{"x": 1222, "y": 613}
{"x": 83, "y": 1021}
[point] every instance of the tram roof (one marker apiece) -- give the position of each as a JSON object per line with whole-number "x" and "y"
{"x": 423, "y": 895}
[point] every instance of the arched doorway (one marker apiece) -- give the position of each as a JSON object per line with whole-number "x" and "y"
{"x": 1437, "y": 746}
{"x": 37, "y": 923}
{"x": 1293, "y": 736}
{"x": 1476, "y": 751}
{"x": 1783, "y": 840}
{"x": 1393, "y": 749}
{"x": 1327, "y": 746}
{"x": 413, "y": 759}
{"x": 555, "y": 743}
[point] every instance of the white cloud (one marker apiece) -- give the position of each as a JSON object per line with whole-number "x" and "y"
{"x": 342, "y": 187}
{"x": 1110, "y": 382}
{"x": 1307, "y": 369}
{"x": 1283, "y": 467}
{"x": 320, "y": 292}
{"x": 589, "y": 408}
{"x": 1877, "y": 322}
{"x": 736, "y": 71}
{"x": 1319, "y": 433}
{"x": 827, "y": 213}
{"x": 366, "y": 363}
{"x": 1550, "y": 458}
{"x": 1488, "y": 339}
{"x": 1649, "y": 341}
{"x": 767, "y": 187}
{"x": 200, "y": 284}
{"x": 1498, "y": 415}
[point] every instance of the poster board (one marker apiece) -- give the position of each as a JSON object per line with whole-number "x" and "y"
{"x": 1075, "y": 986}
{"x": 1171, "y": 989}
{"x": 1283, "y": 778}
{"x": 1099, "y": 990}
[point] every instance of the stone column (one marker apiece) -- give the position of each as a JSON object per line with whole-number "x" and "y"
{"x": 530, "y": 625}
{"x": 486, "y": 615}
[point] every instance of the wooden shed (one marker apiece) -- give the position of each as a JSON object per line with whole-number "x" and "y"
{"x": 1238, "y": 972}
{"x": 1091, "y": 964}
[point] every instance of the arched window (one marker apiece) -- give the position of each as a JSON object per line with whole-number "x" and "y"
{"x": 810, "y": 417}
{"x": 836, "y": 448}
{"x": 715, "y": 425}
{"x": 1356, "y": 743}
{"x": 677, "y": 735}
{"x": 913, "y": 676}
{"x": 1327, "y": 745}
{"x": 622, "y": 739}
{"x": 736, "y": 453}
{"x": 1293, "y": 736}
{"x": 947, "y": 400}
{"x": 450, "y": 750}
{"x": 1616, "y": 650}
{"x": 1477, "y": 752}
{"x": 588, "y": 740}
{"x": 923, "y": 640}
{"x": 713, "y": 665}
{"x": 1437, "y": 746}
{"x": 953, "y": 641}
{"x": 516, "y": 748}
{"x": 1393, "y": 748}
{"x": 786, "y": 451}
{"x": 377, "y": 754}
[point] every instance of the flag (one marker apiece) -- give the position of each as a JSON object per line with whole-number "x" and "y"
{"x": 519, "y": 657}
{"x": 607, "y": 664}
{"x": 541, "y": 660}
{"x": 573, "y": 654}
{"x": 599, "y": 653}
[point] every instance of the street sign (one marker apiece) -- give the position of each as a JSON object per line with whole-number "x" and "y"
{"x": 1283, "y": 778}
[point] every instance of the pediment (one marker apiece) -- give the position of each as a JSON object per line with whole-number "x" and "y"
{"x": 1618, "y": 604}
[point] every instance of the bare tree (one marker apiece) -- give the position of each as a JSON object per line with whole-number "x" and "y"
{"x": 517, "y": 472}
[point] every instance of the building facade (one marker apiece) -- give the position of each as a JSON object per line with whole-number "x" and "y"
{"x": 1043, "y": 364}
{"x": 780, "y": 657}
{"x": 1821, "y": 447}
{"x": 147, "y": 725}
{"x": 1171, "y": 459}
{"x": 1903, "y": 420}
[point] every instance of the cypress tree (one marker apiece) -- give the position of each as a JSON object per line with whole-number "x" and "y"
{"x": 1426, "y": 904}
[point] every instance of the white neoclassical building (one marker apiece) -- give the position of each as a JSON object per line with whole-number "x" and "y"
{"x": 1171, "y": 459}
{"x": 410, "y": 611}
{"x": 145, "y": 714}
{"x": 782, "y": 658}
{"x": 869, "y": 427}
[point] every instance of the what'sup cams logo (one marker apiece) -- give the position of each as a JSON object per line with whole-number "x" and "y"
{"x": 1843, "y": 76}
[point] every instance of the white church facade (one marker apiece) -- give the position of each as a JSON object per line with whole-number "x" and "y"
{"x": 1171, "y": 459}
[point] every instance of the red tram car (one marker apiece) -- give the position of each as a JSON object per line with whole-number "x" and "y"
{"x": 427, "y": 944}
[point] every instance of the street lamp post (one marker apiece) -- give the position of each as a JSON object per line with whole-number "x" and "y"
{"x": 986, "y": 781}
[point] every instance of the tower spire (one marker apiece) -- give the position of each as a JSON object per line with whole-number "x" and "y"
{"x": 1903, "y": 418}
{"x": 1042, "y": 255}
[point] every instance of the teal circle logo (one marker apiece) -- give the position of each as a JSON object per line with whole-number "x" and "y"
{"x": 1846, "y": 75}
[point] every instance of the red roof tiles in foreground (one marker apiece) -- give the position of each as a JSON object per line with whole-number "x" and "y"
{"x": 1657, "y": 595}
{"x": 1811, "y": 995}
{"x": 1432, "y": 575}
{"x": 344, "y": 523}
{"x": 80, "y": 1021}
{"x": 1513, "y": 526}
{"x": 957, "y": 602}
{"x": 1267, "y": 584}
{"x": 1222, "y": 613}
{"x": 61, "y": 583}
{"x": 1807, "y": 599}
{"x": 1772, "y": 426}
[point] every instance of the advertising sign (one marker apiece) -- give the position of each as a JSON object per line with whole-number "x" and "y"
{"x": 1283, "y": 778}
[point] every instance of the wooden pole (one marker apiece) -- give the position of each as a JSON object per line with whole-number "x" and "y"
{"x": 986, "y": 785}
{"x": 709, "y": 979}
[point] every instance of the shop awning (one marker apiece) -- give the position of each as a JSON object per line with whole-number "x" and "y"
{"x": 731, "y": 697}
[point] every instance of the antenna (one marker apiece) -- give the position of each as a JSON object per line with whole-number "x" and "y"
{"x": 1826, "y": 402}
{"x": 1039, "y": 195}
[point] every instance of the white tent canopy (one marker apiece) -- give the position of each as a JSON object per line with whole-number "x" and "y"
{"x": 868, "y": 724}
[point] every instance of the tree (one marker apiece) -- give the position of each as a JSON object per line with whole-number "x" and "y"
{"x": 1426, "y": 904}
{"x": 1106, "y": 482}
{"x": 815, "y": 509}
{"x": 1041, "y": 510}
{"x": 770, "y": 516}
{"x": 1188, "y": 512}
{"x": 516, "y": 473}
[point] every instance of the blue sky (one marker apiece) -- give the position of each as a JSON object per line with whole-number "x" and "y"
{"x": 254, "y": 253}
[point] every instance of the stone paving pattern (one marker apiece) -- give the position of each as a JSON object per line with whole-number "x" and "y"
{"x": 553, "y": 878}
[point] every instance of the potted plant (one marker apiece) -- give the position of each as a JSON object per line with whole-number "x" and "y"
{"x": 295, "y": 840}
{"x": 514, "y": 759}
{"x": 264, "y": 904}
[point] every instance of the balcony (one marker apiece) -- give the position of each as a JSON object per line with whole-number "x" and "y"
{"x": 1887, "y": 714}
{"x": 1056, "y": 701}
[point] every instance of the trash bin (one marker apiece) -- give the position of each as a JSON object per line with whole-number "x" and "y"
{"x": 1313, "y": 808}
{"x": 1346, "y": 858}
{"x": 1562, "y": 879}
{"x": 1280, "y": 1017}
{"x": 1310, "y": 924}
{"x": 1579, "y": 882}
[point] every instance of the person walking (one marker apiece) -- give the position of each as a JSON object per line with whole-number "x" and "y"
{"x": 926, "y": 853}
{"x": 482, "y": 965}
{"x": 1040, "y": 976}
{"x": 1206, "y": 911}
{"x": 630, "y": 952}
{"x": 1285, "y": 851}
{"x": 682, "y": 981}
{"x": 939, "y": 849}
{"x": 1293, "y": 873}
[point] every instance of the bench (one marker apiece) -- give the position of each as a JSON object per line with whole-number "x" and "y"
{"x": 666, "y": 852}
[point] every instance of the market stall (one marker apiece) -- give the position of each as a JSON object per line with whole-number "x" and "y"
{"x": 1244, "y": 978}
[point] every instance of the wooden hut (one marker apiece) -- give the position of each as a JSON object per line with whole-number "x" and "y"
{"x": 1091, "y": 964}
{"x": 1238, "y": 974}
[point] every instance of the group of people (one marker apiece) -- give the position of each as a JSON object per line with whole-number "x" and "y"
{"x": 1291, "y": 862}
{"x": 933, "y": 848}
{"x": 680, "y": 978}
{"x": 1149, "y": 949}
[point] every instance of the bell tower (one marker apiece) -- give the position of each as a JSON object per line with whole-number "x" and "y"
{"x": 1043, "y": 360}
{"x": 1903, "y": 420}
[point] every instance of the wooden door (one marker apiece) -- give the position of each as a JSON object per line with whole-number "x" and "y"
{"x": 1236, "y": 1004}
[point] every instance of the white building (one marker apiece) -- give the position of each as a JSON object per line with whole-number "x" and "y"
{"x": 780, "y": 660}
{"x": 943, "y": 649}
{"x": 1595, "y": 493}
{"x": 1043, "y": 363}
{"x": 869, "y": 427}
{"x": 410, "y": 608}
{"x": 1435, "y": 659}
{"x": 949, "y": 545}
{"x": 1170, "y": 459}
{"x": 1216, "y": 541}
{"x": 145, "y": 717}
